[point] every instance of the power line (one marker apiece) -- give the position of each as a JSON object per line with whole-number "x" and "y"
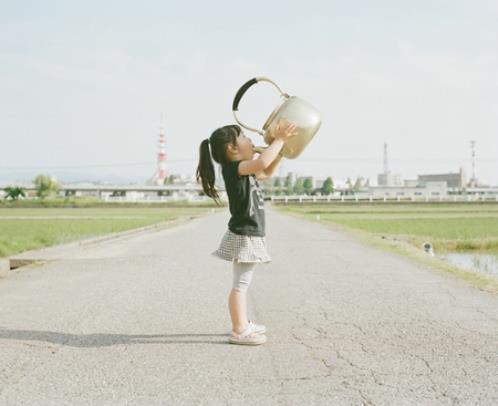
{"x": 367, "y": 161}
{"x": 90, "y": 165}
{"x": 407, "y": 161}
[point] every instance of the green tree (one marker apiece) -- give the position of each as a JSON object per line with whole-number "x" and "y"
{"x": 328, "y": 186}
{"x": 307, "y": 186}
{"x": 277, "y": 187}
{"x": 349, "y": 183}
{"x": 299, "y": 187}
{"x": 14, "y": 192}
{"x": 288, "y": 185}
{"x": 358, "y": 184}
{"x": 45, "y": 186}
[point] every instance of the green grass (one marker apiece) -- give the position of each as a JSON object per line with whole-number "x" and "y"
{"x": 449, "y": 227}
{"x": 24, "y": 229}
{"x": 89, "y": 201}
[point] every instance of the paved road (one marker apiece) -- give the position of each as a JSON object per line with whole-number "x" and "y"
{"x": 144, "y": 321}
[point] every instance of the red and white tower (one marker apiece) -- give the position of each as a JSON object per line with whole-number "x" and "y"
{"x": 159, "y": 176}
{"x": 161, "y": 155}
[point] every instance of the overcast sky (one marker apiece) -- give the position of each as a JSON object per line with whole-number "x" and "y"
{"x": 82, "y": 84}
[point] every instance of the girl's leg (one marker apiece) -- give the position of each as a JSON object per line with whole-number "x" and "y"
{"x": 237, "y": 301}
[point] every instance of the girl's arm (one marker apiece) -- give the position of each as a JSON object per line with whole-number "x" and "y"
{"x": 270, "y": 169}
{"x": 268, "y": 172}
{"x": 282, "y": 134}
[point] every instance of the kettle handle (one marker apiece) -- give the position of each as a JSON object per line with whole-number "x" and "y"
{"x": 241, "y": 92}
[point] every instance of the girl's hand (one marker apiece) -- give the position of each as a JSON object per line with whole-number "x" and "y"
{"x": 285, "y": 130}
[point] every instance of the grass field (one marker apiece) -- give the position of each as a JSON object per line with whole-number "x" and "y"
{"x": 31, "y": 228}
{"x": 449, "y": 227}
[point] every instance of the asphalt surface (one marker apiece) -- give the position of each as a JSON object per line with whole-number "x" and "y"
{"x": 144, "y": 321}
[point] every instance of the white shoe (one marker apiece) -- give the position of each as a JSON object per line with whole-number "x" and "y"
{"x": 256, "y": 328}
{"x": 247, "y": 337}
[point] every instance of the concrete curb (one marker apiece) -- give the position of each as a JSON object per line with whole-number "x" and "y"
{"x": 4, "y": 267}
{"x": 29, "y": 257}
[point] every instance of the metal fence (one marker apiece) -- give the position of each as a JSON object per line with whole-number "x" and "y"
{"x": 370, "y": 199}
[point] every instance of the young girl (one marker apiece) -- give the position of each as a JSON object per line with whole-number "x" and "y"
{"x": 244, "y": 242}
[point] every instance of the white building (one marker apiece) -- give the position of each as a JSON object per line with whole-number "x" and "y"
{"x": 428, "y": 189}
{"x": 389, "y": 179}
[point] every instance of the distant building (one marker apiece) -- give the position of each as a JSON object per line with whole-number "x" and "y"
{"x": 311, "y": 178}
{"x": 410, "y": 182}
{"x": 428, "y": 189}
{"x": 292, "y": 177}
{"x": 453, "y": 180}
{"x": 389, "y": 179}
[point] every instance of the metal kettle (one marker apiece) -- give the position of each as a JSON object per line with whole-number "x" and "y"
{"x": 291, "y": 109}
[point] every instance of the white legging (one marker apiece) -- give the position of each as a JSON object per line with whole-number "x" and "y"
{"x": 242, "y": 275}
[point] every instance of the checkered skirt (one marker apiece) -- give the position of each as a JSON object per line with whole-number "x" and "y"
{"x": 242, "y": 248}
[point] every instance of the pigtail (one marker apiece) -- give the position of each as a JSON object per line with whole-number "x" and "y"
{"x": 205, "y": 172}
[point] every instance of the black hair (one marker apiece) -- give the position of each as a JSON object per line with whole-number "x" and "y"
{"x": 218, "y": 141}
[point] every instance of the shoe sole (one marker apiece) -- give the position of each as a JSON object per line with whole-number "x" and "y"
{"x": 232, "y": 340}
{"x": 255, "y": 331}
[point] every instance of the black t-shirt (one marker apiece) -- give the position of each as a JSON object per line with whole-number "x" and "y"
{"x": 246, "y": 202}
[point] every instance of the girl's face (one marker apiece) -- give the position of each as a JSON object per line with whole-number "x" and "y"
{"x": 244, "y": 148}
